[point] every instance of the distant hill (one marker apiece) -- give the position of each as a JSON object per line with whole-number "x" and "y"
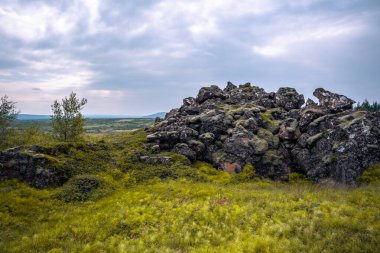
{"x": 44, "y": 117}
{"x": 153, "y": 116}
{"x": 32, "y": 117}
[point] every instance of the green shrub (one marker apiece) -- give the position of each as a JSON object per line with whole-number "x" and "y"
{"x": 247, "y": 174}
{"x": 143, "y": 171}
{"x": 84, "y": 187}
{"x": 296, "y": 177}
{"x": 371, "y": 175}
{"x": 207, "y": 173}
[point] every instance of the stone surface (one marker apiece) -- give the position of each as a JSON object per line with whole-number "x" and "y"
{"x": 333, "y": 102}
{"x": 244, "y": 124}
{"x": 38, "y": 170}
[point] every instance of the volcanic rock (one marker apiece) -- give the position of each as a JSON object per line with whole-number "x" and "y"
{"x": 244, "y": 124}
{"x": 38, "y": 170}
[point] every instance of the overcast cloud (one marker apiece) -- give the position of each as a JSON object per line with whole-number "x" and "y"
{"x": 144, "y": 56}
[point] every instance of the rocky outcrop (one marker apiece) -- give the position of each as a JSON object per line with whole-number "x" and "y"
{"x": 36, "y": 169}
{"x": 272, "y": 131}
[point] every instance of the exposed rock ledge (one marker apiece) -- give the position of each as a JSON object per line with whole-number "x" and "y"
{"x": 273, "y": 132}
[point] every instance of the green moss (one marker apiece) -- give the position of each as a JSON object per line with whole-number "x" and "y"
{"x": 312, "y": 139}
{"x": 267, "y": 117}
{"x": 260, "y": 145}
{"x": 272, "y": 158}
{"x": 271, "y": 124}
{"x": 350, "y": 119}
{"x": 273, "y": 140}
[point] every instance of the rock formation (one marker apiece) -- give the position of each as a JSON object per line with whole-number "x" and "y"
{"x": 272, "y": 131}
{"x": 38, "y": 170}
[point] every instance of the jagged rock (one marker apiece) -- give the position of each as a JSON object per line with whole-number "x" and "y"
{"x": 230, "y": 86}
{"x": 207, "y": 138}
{"x": 289, "y": 129}
{"x": 184, "y": 149}
{"x": 333, "y": 102}
{"x": 38, "y": 170}
{"x": 289, "y": 99}
{"x": 246, "y": 125}
{"x": 206, "y": 93}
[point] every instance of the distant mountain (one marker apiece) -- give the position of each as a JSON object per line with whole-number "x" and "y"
{"x": 45, "y": 117}
{"x": 153, "y": 116}
{"x": 32, "y": 117}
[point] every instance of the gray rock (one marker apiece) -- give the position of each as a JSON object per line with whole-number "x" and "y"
{"x": 206, "y": 93}
{"x": 247, "y": 125}
{"x": 288, "y": 98}
{"x": 38, "y": 170}
{"x": 184, "y": 149}
{"x": 332, "y": 101}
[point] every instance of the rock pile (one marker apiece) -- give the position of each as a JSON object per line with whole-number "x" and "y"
{"x": 272, "y": 131}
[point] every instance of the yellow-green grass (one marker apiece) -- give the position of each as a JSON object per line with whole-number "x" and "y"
{"x": 187, "y": 216}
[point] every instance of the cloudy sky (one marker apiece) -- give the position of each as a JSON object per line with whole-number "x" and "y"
{"x": 143, "y": 56}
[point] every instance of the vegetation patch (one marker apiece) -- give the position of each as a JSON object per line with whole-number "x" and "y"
{"x": 187, "y": 216}
{"x": 371, "y": 175}
{"x": 84, "y": 187}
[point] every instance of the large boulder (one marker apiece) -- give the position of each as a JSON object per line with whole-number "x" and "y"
{"x": 332, "y": 101}
{"x": 289, "y": 99}
{"x": 206, "y": 93}
{"x": 272, "y": 131}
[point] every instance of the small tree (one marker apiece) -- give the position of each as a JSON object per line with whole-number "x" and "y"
{"x": 67, "y": 120}
{"x": 8, "y": 113}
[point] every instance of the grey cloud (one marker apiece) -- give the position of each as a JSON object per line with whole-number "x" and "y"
{"x": 153, "y": 53}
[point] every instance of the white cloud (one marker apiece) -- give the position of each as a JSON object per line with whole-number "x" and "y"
{"x": 49, "y": 70}
{"x": 200, "y": 19}
{"x": 301, "y": 34}
{"x": 31, "y": 23}
{"x": 36, "y": 21}
{"x": 114, "y": 94}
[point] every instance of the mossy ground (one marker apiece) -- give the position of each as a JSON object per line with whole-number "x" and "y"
{"x": 114, "y": 203}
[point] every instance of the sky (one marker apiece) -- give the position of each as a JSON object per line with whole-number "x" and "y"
{"x": 144, "y": 56}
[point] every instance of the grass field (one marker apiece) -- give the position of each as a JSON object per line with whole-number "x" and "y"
{"x": 91, "y": 125}
{"x": 185, "y": 216}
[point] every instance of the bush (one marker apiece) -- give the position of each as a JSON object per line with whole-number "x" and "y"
{"x": 371, "y": 175}
{"x": 247, "y": 174}
{"x": 143, "y": 172}
{"x": 207, "y": 173}
{"x": 82, "y": 188}
{"x": 296, "y": 177}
